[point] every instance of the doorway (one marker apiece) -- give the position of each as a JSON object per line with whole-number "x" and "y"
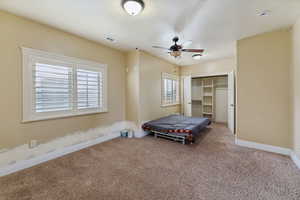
{"x": 212, "y": 97}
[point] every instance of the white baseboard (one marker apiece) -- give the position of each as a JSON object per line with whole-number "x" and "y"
{"x": 140, "y": 134}
{"x": 296, "y": 159}
{"x": 264, "y": 147}
{"x": 20, "y": 165}
{"x": 270, "y": 148}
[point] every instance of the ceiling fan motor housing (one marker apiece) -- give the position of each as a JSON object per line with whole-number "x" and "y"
{"x": 175, "y": 47}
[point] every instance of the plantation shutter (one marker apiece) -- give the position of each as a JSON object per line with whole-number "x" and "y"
{"x": 56, "y": 86}
{"x": 53, "y": 88}
{"x": 170, "y": 89}
{"x": 89, "y": 89}
{"x": 177, "y": 100}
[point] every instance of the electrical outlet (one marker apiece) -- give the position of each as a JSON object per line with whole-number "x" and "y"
{"x": 33, "y": 144}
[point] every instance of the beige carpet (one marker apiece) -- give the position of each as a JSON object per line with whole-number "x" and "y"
{"x": 136, "y": 169}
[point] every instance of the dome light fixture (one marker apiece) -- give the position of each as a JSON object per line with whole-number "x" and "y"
{"x": 197, "y": 56}
{"x": 133, "y": 7}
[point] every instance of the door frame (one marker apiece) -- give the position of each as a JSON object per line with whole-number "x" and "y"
{"x": 182, "y": 98}
{"x": 214, "y": 75}
{"x": 234, "y": 100}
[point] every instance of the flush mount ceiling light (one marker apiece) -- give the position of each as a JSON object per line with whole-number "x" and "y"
{"x": 197, "y": 56}
{"x": 133, "y": 7}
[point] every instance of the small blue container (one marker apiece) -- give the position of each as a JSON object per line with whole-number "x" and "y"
{"x": 124, "y": 133}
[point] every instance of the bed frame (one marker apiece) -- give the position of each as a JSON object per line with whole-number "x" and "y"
{"x": 178, "y": 138}
{"x": 176, "y": 127}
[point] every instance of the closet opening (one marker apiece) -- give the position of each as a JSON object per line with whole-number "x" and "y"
{"x": 211, "y": 97}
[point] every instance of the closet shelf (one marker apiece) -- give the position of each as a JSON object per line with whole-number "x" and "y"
{"x": 221, "y": 85}
{"x": 196, "y": 99}
{"x": 207, "y": 113}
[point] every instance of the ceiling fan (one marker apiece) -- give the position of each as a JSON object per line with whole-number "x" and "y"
{"x": 176, "y": 49}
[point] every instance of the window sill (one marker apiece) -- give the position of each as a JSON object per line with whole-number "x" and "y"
{"x": 170, "y": 105}
{"x": 62, "y": 116}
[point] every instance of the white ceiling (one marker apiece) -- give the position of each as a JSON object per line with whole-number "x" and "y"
{"x": 211, "y": 24}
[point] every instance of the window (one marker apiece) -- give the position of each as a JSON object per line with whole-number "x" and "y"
{"x": 59, "y": 86}
{"x": 170, "y": 89}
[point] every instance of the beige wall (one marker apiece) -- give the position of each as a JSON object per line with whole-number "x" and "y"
{"x": 144, "y": 87}
{"x": 295, "y": 72}
{"x": 263, "y": 89}
{"x": 221, "y": 66}
{"x": 16, "y": 32}
{"x": 133, "y": 86}
{"x": 151, "y": 69}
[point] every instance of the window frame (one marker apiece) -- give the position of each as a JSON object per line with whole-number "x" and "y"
{"x": 172, "y": 77}
{"x": 32, "y": 56}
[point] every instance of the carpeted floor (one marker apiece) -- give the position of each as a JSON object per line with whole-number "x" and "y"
{"x": 135, "y": 169}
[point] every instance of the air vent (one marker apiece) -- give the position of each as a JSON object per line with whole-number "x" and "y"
{"x": 110, "y": 39}
{"x": 264, "y": 13}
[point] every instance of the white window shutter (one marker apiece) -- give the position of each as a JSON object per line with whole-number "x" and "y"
{"x": 52, "y": 88}
{"x": 170, "y": 89}
{"x": 89, "y": 89}
{"x": 60, "y": 86}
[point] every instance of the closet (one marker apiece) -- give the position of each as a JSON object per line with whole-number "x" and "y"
{"x": 210, "y": 98}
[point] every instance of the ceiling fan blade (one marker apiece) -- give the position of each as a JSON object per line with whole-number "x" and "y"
{"x": 193, "y": 50}
{"x": 158, "y": 47}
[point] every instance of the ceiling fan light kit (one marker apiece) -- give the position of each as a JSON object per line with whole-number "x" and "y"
{"x": 133, "y": 7}
{"x": 175, "y": 53}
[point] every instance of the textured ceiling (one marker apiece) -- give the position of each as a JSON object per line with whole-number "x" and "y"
{"x": 214, "y": 25}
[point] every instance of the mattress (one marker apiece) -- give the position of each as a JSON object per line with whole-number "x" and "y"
{"x": 177, "y": 125}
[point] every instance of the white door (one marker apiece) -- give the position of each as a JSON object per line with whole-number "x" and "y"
{"x": 221, "y": 105}
{"x": 231, "y": 102}
{"x": 187, "y": 96}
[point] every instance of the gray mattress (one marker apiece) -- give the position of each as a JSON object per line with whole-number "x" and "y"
{"x": 177, "y": 124}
